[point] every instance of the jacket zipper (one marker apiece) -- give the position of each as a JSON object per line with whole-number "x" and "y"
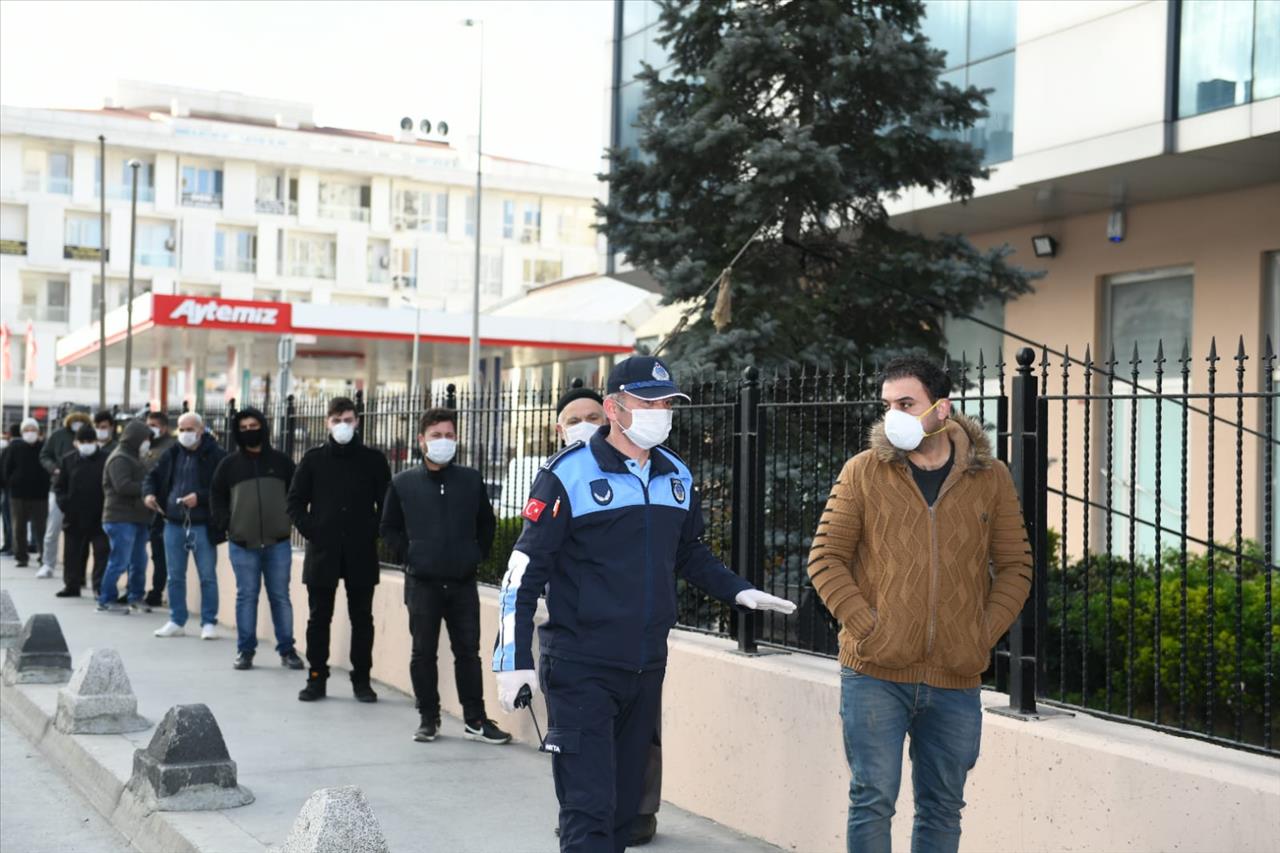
{"x": 262, "y": 531}
{"x": 935, "y": 572}
{"x": 648, "y": 576}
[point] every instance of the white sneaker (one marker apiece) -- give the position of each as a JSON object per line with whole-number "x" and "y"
{"x": 171, "y": 629}
{"x": 45, "y": 572}
{"x": 208, "y": 632}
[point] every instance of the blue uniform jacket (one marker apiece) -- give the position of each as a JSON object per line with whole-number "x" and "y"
{"x": 605, "y": 545}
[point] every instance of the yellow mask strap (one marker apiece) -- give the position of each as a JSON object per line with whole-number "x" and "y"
{"x": 920, "y": 417}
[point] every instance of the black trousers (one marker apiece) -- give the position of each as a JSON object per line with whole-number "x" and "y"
{"x": 77, "y": 545}
{"x": 458, "y": 605}
{"x": 600, "y": 728}
{"x": 359, "y": 610}
{"x": 651, "y": 795}
{"x": 34, "y": 511}
{"x": 159, "y": 568}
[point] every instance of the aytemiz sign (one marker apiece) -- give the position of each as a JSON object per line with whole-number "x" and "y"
{"x": 198, "y": 312}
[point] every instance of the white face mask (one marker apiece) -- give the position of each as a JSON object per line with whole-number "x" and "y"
{"x": 649, "y": 427}
{"x": 155, "y": 432}
{"x": 4, "y": 442}
{"x": 440, "y": 450}
{"x": 581, "y": 431}
{"x": 905, "y": 431}
{"x": 342, "y": 432}
{"x": 188, "y": 439}
{"x": 103, "y": 434}
{"x": 31, "y": 437}
{"x": 87, "y": 449}
{"x": 144, "y": 448}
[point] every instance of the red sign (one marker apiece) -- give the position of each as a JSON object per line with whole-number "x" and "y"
{"x": 203, "y": 312}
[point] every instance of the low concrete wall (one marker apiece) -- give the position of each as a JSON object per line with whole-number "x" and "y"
{"x": 755, "y": 744}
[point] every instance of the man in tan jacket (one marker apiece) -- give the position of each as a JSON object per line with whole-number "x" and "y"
{"x": 922, "y": 556}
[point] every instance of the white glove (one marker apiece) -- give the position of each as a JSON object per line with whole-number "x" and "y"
{"x": 509, "y": 684}
{"x": 754, "y": 599}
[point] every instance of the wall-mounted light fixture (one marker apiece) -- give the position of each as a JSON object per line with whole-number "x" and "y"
{"x": 1115, "y": 226}
{"x": 1044, "y": 246}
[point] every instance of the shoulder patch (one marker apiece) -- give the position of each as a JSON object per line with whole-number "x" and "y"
{"x": 554, "y": 460}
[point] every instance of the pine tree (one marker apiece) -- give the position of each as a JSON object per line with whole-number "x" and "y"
{"x": 801, "y": 116}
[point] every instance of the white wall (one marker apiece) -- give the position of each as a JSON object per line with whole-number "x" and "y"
{"x": 308, "y": 197}
{"x": 238, "y": 190}
{"x": 166, "y": 182}
{"x": 45, "y": 230}
{"x": 83, "y": 189}
{"x": 197, "y": 242}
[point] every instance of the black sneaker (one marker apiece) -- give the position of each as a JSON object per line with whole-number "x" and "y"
{"x": 113, "y": 608}
{"x": 427, "y": 731}
{"x": 67, "y": 593}
{"x": 315, "y": 688}
{"x": 292, "y": 661}
{"x": 363, "y": 692}
{"x": 139, "y": 607}
{"x": 643, "y": 827}
{"x": 21, "y": 565}
{"x": 154, "y": 599}
{"x": 244, "y": 660}
{"x": 486, "y": 731}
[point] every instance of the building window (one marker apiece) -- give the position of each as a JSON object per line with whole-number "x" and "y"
{"x": 311, "y": 256}
{"x": 13, "y": 229}
{"x": 146, "y": 181}
{"x": 157, "y": 243}
{"x": 462, "y": 278}
{"x": 276, "y": 193}
{"x": 979, "y": 40}
{"x": 1229, "y": 54}
{"x": 75, "y": 376}
{"x": 422, "y": 210}
{"x": 471, "y": 215}
{"x": 576, "y": 226}
{"x": 540, "y": 272}
{"x": 508, "y": 219}
{"x": 117, "y": 294}
{"x": 341, "y": 200}
{"x": 44, "y": 300}
{"x": 378, "y": 261}
{"x": 404, "y": 267}
{"x": 201, "y": 186}
{"x": 235, "y": 250}
{"x": 82, "y": 237}
{"x": 531, "y": 223}
{"x": 47, "y": 171}
{"x": 60, "y": 173}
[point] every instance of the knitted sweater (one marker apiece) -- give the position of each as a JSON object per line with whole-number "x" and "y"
{"x": 922, "y": 593}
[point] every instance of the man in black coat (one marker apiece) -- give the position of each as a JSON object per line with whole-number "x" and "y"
{"x": 335, "y": 501}
{"x": 78, "y": 492}
{"x": 28, "y": 485}
{"x": 438, "y": 521}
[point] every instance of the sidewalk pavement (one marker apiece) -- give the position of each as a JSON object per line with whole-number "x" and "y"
{"x": 450, "y": 795}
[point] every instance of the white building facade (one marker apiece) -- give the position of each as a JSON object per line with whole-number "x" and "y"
{"x": 247, "y": 199}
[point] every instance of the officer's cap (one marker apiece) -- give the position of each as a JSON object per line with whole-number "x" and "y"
{"x": 643, "y": 376}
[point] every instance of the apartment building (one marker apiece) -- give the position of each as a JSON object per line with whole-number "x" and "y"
{"x": 245, "y": 198}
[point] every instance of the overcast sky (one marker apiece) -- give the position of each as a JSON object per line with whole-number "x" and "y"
{"x": 363, "y": 65}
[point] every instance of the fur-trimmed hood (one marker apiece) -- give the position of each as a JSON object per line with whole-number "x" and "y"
{"x": 972, "y": 447}
{"x": 72, "y": 420}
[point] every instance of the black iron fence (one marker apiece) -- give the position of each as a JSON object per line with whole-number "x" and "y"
{"x": 1148, "y": 490}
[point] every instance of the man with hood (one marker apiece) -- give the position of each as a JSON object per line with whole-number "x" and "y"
{"x": 58, "y": 445}
{"x": 10, "y": 435}
{"x": 125, "y": 519}
{"x": 335, "y": 501}
{"x": 247, "y": 500}
{"x": 178, "y": 486}
{"x": 161, "y": 440}
{"x": 78, "y": 491}
{"x": 922, "y": 557}
{"x": 28, "y": 485}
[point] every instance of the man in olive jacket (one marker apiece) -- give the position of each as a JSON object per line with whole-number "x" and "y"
{"x": 335, "y": 501}
{"x": 438, "y": 521}
{"x": 125, "y": 518}
{"x": 922, "y": 556}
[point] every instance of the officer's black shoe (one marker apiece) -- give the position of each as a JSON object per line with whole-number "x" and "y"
{"x": 123, "y": 599}
{"x": 643, "y": 827}
{"x": 244, "y": 660}
{"x": 427, "y": 731}
{"x": 67, "y": 593}
{"x": 486, "y": 731}
{"x": 154, "y": 599}
{"x": 363, "y": 692}
{"x": 315, "y": 688}
{"x": 292, "y": 661}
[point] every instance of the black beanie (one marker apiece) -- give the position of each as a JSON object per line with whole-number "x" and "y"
{"x": 576, "y": 394}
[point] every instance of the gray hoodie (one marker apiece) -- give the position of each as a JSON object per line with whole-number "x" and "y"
{"x": 122, "y": 478}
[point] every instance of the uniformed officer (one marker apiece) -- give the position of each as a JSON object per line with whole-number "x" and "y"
{"x": 608, "y": 524}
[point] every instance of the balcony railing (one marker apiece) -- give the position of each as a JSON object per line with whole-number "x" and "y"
{"x": 276, "y": 206}
{"x": 202, "y": 200}
{"x": 43, "y": 313}
{"x": 378, "y": 275}
{"x": 13, "y": 247}
{"x": 300, "y": 270}
{"x": 124, "y": 192}
{"x": 156, "y": 259}
{"x": 84, "y": 253}
{"x": 235, "y": 264}
{"x": 47, "y": 183}
{"x": 344, "y": 211}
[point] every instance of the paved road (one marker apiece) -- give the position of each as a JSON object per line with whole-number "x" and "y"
{"x": 40, "y": 812}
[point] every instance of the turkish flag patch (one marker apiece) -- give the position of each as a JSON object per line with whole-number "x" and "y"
{"x": 533, "y": 509}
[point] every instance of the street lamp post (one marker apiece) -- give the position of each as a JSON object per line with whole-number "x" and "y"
{"x": 473, "y": 353}
{"x": 417, "y": 334}
{"x": 102, "y": 273}
{"x": 133, "y": 254}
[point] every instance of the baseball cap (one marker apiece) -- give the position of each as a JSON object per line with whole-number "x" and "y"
{"x": 643, "y": 376}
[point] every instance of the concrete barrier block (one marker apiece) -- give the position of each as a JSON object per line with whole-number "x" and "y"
{"x": 336, "y": 820}
{"x": 186, "y": 766}
{"x": 10, "y": 624}
{"x": 99, "y": 700}
{"x": 40, "y": 655}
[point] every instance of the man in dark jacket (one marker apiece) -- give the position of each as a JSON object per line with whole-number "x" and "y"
{"x": 178, "y": 486}
{"x": 248, "y": 499}
{"x": 438, "y": 521}
{"x": 335, "y": 501}
{"x": 125, "y": 519}
{"x": 161, "y": 440}
{"x": 12, "y": 434}
{"x": 78, "y": 492}
{"x": 58, "y": 445}
{"x": 28, "y": 485}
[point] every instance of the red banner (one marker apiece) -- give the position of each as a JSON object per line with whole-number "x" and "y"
{"x": 206, "y": 312}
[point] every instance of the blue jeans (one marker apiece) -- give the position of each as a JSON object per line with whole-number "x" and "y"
{"x": 128, "y": 554}
{"x": 177, "y": 544}
{"x": 946, "y": 730}
{"x": 253, "y": 566}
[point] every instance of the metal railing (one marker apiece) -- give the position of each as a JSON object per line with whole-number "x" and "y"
{"x": 234, "y": 264}
{"x": 304, "y": 270}
{"x": 344, "y": 211}
{"x": 276, "y": 206}
{"x": 210, "y": 200}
